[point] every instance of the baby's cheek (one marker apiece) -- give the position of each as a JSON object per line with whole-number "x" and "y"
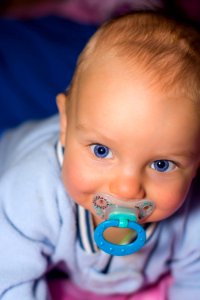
{"x": 77, "y": 180}
{"x": 169, "y": 200}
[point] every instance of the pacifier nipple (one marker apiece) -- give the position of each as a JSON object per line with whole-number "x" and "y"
{"x": 121, "y": 214}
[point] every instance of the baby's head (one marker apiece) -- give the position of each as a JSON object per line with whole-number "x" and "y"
{"x": 165, "y": 51}
{"x": 130, "y": 122}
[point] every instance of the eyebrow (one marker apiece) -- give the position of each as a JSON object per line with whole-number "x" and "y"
{"x": 83, "y": 127}
{"x": 186, "y": 154}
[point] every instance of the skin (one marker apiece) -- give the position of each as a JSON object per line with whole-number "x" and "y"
{"x": 139, "y": 125}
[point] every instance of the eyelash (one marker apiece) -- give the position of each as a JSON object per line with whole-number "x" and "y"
{"x": 104, "y": 151}
{"x": 167, "y": 167}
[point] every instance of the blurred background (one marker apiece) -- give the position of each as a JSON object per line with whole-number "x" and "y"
{"x": 95, "y": 11}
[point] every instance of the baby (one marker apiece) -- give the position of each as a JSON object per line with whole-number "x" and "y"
{"x": 128, "y": 139}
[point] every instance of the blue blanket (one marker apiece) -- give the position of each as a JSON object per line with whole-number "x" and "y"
{"x": 37, "y": 60}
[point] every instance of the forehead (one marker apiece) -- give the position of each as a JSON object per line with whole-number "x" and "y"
{"x": 108, "y": 95}
{"x": 110, "y": 75}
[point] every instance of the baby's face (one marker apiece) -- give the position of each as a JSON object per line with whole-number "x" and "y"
{"x": 128, "y": 139}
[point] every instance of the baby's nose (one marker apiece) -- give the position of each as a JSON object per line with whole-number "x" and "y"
{"x": 127, "y": 187}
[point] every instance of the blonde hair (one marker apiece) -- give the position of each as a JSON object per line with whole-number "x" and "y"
{"x": 167, "y": 51}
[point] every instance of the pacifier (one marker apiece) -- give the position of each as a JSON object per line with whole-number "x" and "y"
{"x": 121, "y": 214}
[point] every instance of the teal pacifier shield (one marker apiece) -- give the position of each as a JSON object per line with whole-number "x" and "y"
{"x": 115, "y": 249}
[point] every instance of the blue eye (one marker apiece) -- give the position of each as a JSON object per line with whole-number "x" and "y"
{"x": 101, "y": 151}
{"x": 163, "y": 165}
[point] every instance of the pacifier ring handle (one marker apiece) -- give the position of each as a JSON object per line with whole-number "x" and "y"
{"x": 115, "y": 249}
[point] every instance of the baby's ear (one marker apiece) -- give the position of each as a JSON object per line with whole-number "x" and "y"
{"x": 61, "y": 101}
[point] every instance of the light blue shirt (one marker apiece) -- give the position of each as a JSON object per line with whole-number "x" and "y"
{"x": 38, "y": 229}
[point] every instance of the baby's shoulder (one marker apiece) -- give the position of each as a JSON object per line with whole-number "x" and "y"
{"x": 31, "y": 192}
{"x": 16, "y": 144}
